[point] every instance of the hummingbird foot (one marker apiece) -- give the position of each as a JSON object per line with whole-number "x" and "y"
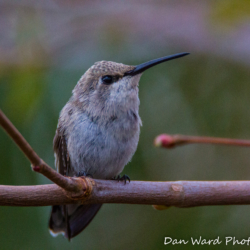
{"x": 124, "y": 178}
{"x": 82, "y": 173}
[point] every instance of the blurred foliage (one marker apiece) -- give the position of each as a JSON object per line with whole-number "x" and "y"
{"x": 227, "y": 12}
{"x": 205, "y": 93}
{"x": 23, "y": 89}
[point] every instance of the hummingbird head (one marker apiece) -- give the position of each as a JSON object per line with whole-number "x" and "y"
{"x": 110, "y": 87}
{"x": 104, "y": 85}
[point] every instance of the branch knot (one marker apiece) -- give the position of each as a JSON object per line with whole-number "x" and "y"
{"x": 83, "y": 188}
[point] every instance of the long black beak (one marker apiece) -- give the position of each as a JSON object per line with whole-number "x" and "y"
{"x": 144, "y": 66}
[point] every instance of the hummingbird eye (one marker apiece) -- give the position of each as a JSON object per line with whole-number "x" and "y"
{"x": 107, "y": 79}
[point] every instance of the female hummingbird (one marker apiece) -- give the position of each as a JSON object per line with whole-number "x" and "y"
{"x": 97, "y": 133}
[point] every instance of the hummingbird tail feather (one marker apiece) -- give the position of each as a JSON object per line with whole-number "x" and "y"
{"x": 70, "y": 220}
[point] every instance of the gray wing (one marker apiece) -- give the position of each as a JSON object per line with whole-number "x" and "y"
{"x": 59, "y": 219}
{"x": 69, "y": 220}
{"x": 61, "y": 152}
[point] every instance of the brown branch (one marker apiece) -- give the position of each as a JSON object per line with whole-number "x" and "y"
{"x": 170, "y": 141}
{"x": 178, "y": 193}
{"x": 85, "y": 190}
{"x": 70, "y": 184}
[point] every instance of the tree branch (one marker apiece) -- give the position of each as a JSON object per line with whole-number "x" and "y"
{"x": 170, "y": 141}
{"x": 76, "y": 185}
{"x": 178, "y": 193}
{"x": 85, "y": 190}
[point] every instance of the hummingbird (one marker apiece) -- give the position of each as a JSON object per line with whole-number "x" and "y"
{"x": 97, "y": 134}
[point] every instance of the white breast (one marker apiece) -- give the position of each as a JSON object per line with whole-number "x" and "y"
{"x": 102, "y": 151}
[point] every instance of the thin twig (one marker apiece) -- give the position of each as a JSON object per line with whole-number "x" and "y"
{"x": 38, "y": 165}
{"x": 170, "y": 141}
{"x": 178, "y": 193}
{"x": 86, "y": 190}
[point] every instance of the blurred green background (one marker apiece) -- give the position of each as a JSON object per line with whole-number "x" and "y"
{"x": 45, "y": 47}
